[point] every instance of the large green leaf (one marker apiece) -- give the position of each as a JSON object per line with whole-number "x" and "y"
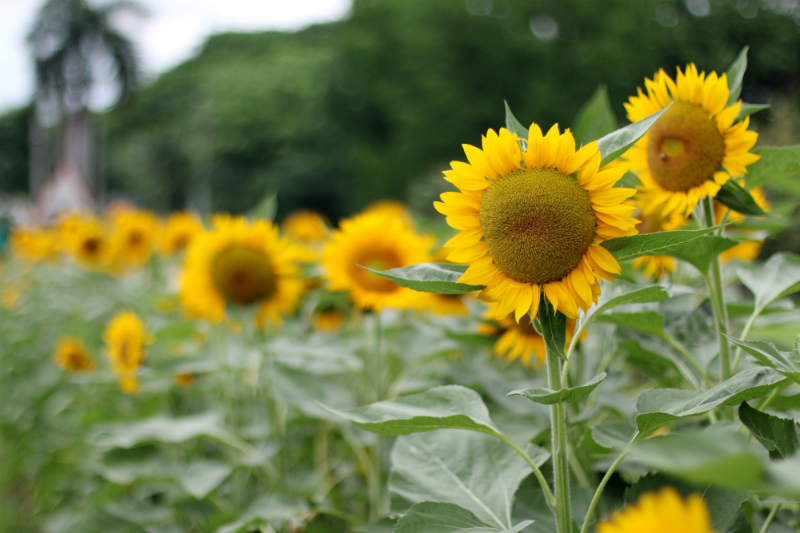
{"x": 749, "y": 109}
{"x": 439, "y": 278}
{"x": 607, "y": 437}
{"x": 565, "y": 395}
{"x": 702, "y": 252}
{"x": 660, "y": 243}
{"x": 735, "y": 75}
{"x": 451, "y": 406}
{"x": 618, "y": 142}
{"x": 438, "y": 517}
{"x": 776, "y": 163}
{"x": 787, "y": 363}
{"x": 468, "y": 469}
{"x": 737, "y": 198}
{"x": 778, "y": 277}
{"x": 650, "y": 322}
{"x": 655, "y": 293}
{"x": 553, "y": 326}
{"x": 595, "y": 119}
{"x": 657, "y": 407}
{"x": 202, "y": 477}
{"x": 274, "y": 510}
{"x": 778, "y": 435}
{"x": 159, "y": 428}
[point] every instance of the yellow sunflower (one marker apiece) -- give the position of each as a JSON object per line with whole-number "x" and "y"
{"x": 34, "y": 244}
{"x": 86, "y": 241}
{"x": 305, "y": 226}
{"x": 518, "y": 340}
{"x": 694, "y": 147}
{"x": 328, "y": 320}
{"x": 390, "y": 208}
{"x": 129, "y": 385}
{"x": 662, "y": 512}
{"x": 73, "y": 356}
{"x": 746, "y": 251}
{"x": 380, "y": 241}
{"x": 133, "y": 236}
{"x": 527, "y": 223}
{"x": 125, "y": 337}
{"x": 241, "y": 263}
{"x": 179, "y": 231}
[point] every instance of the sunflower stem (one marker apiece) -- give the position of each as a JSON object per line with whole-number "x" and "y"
{"x": 718, "y": 299}
{"x": 376, "y": 493}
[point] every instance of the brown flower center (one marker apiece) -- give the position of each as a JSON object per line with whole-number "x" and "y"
{"x": 537, "y": 224}
{"x": 243, "y": 275}
{"x": 375, "y": 258}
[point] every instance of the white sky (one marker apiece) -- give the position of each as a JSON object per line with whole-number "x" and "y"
{"x": 171, "y": 33}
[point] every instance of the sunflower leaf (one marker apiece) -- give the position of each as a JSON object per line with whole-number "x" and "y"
{"x": 787, "y": 363}
{"x": 438, "y": 278}
{"x": 749, "y": 109}
{"x": 661, "y": 243}
{"x": 513, "y": 125}
{"x": 554, "y": 328}
{"x": 618, "y": 142}
{"x": 655, "y": 293}
{"x": 778, "y": 435}
{"x": 737, "y": 198}
{"x": 703, "y": 251}
{"x": 595, "y": 119}
{"x": 778, "y": 277}
{"x": 439, "y": 517}
{"x": 565, "y": 395}
{"x": 777, "y": 162}
{"x": 649, "y": 322}
{"x": 735, "y": 76}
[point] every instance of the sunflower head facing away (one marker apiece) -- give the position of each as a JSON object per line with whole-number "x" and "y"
{"x": 133, "y": 237}
{"x": 179, "y": 231}
{"x": 241, "y": 263}
{"x": 379, "y": 241}
{"x": 125, "y": 338}
{"x": 533, "y": 220}
{"x": 694, "y": 147}
{"x": 73, "y": 356}
{"x": 662, "y": 512}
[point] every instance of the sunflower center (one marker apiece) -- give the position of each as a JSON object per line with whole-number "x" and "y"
{"x": 91, "y": 245}
{"x": 684, "y": 147}
{"x": 375, "y": 258}
{"x": 135, "y": 238}
{"x": 537, "y": 224}
{"x": 243, "y": 275}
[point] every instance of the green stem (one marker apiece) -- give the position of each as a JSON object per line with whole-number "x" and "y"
{"x": 548, "y": 495}
{"x": 743, "y": 336}
{"x": 718, "y": 299}
{"x": 376, "y": 493}
{"x": 599, "y": 491}
{"x": 770, "y": 518}
{"x": 689, "y": 357}
{"x": 558, "y": 421}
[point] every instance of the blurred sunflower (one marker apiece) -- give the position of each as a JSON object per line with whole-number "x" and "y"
{"x": 694, "y": 147}
{"x": 380, "y": 241}
{"x": 241, "y": 263}
{"x": 34, "y": 244}
{"x": 390, "y": 208}
{"x": 527, "y": 224}
{"x": 133, "y": 236}
{"x": 518, "y": 340}
{"x": 305, "y": 226}
{"x": 184, "y": 380}
{"x": 125, "y": 337}
{"x": 657, "y": 266}
{"x": 86, "y": 241}
{"x": 745, "y": 251}
{"x": 662, "y": 512}
{"x": 129, "y": 385}
{"x": 328, "y": 320}
{"x": 72, "y": 355}
{"x": 179, "y": 231}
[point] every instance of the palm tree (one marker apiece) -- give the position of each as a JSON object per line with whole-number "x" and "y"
{"x": 73, "y": 45}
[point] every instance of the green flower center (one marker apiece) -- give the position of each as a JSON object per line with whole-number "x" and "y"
{"x": 243, "y": 275}
{"x": 684, "y": 148}
{"x": 537, "y": 224}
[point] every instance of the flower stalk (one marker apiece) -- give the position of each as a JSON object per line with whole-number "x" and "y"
{"x": 718, "y": 299}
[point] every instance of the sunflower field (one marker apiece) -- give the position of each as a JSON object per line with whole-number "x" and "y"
{"x": 585, "y": 341}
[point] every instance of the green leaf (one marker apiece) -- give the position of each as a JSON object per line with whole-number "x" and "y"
{"x": 777, "y": 162}
{"x": 735, "y": 74}
{"x": 473, "y": 471}
{"x": 202, "y": 477}
{"x": 553, "y": 328}
{"x": 645, "y": 321}
{"x": 176, "y": 331}
{"x": 266, "y": 208}
{"x": 274, "y": 510}
{"x": 595, "y": 119}
{"x": 749, "y": 109}
{"x": 439, "y": 278}
{"x": 607, "y": 437}
{"x": 778, "y": 277}
{"x": 618, "y": 142}
{"x": 778, "y": 435}
{"x": 655, "y": 293}
{"x": 438, "y": 517}
{"x": 660, "y": 243}
{"x": 472, "y": 339}
{"x": 565, "y": 395}
{"x": 703, "y": 251}
{"x": 451, "y": 406}
{"x": 513, "y": 125}
{"x": 158, "y": 428}
{"x": 657, "y": 407}
{"x": 787, "y": 363}
{"x": 737, "y": 198}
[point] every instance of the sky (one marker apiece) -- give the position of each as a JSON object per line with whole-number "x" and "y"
{"x": 171, "y": 33}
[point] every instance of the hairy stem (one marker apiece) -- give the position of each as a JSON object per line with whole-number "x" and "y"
{"x": 560, "y": 459}
{"x": 718, "y": 299}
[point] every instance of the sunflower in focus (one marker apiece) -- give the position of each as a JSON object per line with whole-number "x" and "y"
{"x": 305, "y": 226}
{"x": 694, "y": 147}
{"x": 241, "y": 263}
{"x": 745, "y": 251}
{"x": 518, "y": 340}
{"x": 662, "y": 512}
{"x": 86, "y": 241}
{"x": 125, "y": 338}
{"x": 34, "y": 244}
{"x": 379, "y": 241}
{"x": 133, "y": 236}
{"x": 73, "y": 356}
{"x": 179, "y": 231}
{"x": 528, "y": 223}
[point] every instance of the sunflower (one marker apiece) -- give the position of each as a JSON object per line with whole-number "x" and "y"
{"x": 662, "y": 512}
{"x": 444, "y": 304}
{"x": 86, "y": 241}
{"x": 380, "y": 241}
{"x": 657, "y": 266}
{"x": 125, "y": 337}
{"x": 390, "y": 208}
{"x": 745, "y": 251}
{"x": 528, "y": 224}
{"x": 133, "y": 236}
{"x": 185, "y": 380}
{"x": 129, "y": 385}
{"x": 179, "y": 231}
{"x": 518, "y": 340}
{"x": 328, "y": 320}
{"x": 34, "y": 244}
{"x": 305, "y": 226}
{"x": 72, "y": 355}
{"x": 241, "y": 263}
{"x": 694, "y": 147}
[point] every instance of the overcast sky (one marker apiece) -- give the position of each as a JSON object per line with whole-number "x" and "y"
{"x": 170, "y": 34}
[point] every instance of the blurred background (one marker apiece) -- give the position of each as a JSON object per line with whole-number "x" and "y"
{"x": 153, "y": 102}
